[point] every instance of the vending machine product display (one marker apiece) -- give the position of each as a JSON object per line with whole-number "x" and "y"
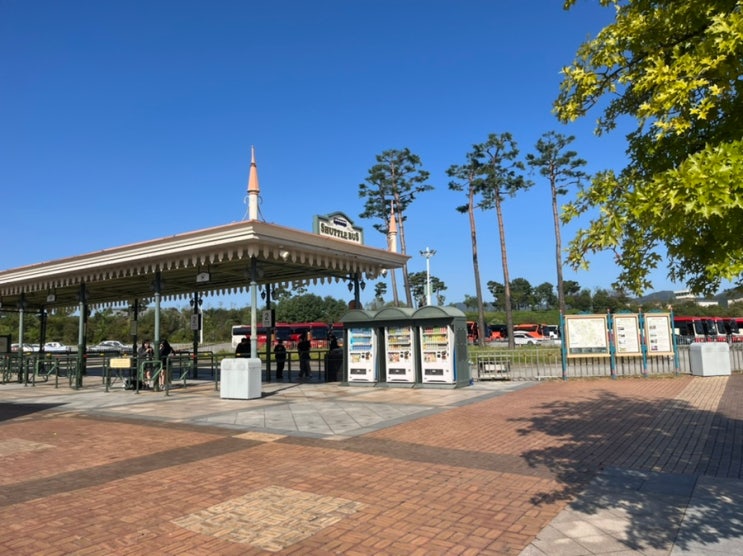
{"x": 401, "y": 360}
{"x": 362, "y": 355}
{"x": 437, "y": 349}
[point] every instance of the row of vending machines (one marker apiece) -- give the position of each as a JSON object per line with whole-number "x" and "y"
{"x": 398, "y": 345}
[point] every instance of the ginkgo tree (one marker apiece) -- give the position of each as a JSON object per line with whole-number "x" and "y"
{"x": 675, "y": 67}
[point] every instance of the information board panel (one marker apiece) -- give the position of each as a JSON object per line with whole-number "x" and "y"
{"x": 658, "y": 334}
{"x": 627, "y": 335}
{"x": 586, "y": 336}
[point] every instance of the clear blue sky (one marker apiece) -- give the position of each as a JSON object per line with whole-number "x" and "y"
{"x": 123, "y": 121}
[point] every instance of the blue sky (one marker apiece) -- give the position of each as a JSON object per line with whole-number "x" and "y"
{"x": 123, "y": 121}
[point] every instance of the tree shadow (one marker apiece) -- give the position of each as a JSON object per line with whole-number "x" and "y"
{"x": 640, "y": 461}
{"x": 14, "y": 410}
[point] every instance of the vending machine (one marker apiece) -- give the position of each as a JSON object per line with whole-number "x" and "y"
{"x": 362, "y": 354}
{"x": 400, "y": 354}
{"x": 443, "y": 346}
{"x": 437, "y": 350}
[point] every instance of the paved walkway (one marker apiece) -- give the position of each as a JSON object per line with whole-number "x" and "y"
{"x": 629, "y": 466}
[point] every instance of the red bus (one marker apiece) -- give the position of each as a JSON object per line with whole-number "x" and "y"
{"x": 715, "y": 329}
{"x": 318, "y": 333}
{"x": 735, "y": 329}
{"x": 281, "y": 330}
{"x": 538, "y": 331}
{"x": 689, "y": 330}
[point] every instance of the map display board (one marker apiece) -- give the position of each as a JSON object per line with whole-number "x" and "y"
{"x": 627, "y": 335}
{"x": 658, "y": 334}
{"x": 586, "y": 335}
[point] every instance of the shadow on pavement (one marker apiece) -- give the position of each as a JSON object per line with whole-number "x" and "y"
{"x": 664, "y": 450}
{"x": 15, "y": 410}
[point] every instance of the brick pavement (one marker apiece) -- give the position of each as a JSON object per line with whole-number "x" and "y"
{"x": 482, "y": 478}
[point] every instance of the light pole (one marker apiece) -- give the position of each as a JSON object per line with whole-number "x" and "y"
{"x": 428, "y": 253}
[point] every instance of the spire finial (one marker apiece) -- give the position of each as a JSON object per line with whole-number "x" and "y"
{"x": 392, "y": 230}
{"x": 253, "y": 188}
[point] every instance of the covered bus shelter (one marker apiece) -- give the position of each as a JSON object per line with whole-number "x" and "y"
{"x": 232, "y": 258}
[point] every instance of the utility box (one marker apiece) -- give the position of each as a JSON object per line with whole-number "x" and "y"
{"x": 443, "y": 346}
{"x": 240, "y": 378}
{"x": 709, "y": 358}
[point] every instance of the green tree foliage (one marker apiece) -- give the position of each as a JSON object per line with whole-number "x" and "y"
{"x": 580, "y": 302}
{"x": 522, "y": 295}
{"x": 501, "y": 177}
{"x": 544, "y": 296}
{"x": 470, "y": 302}
{"x": 571, "y": 287}
{"x": 498, "y": 291}
{"x": 380, "y": 290}
{"x": 467, "y": 178}
{"x": 310, "y": 308}
{"x": 395, "y": 180}
{"x": 674, "y": 66}
{"x": 418, "y": 287}
{"x": 562, "y": 168}
{"x": 603, "y": 300}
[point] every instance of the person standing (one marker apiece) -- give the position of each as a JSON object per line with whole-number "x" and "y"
{"x": 165, "y": 350}
{"x": 243, "y": 348}
{"x": 303, "y": 349}
{"x": 279, "y": 355}
{"x": 145, "y": 353}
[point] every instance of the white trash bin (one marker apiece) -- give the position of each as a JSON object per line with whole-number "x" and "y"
{"x": 709, "y": 358}
{"x": 240, "y": 378}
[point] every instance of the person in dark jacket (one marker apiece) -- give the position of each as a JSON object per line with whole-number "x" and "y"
{"x": 165, "y": 351}
{"x": 303, "y": 349}
{"x": 279, "y": 355}
{"x": 243, "y": 348}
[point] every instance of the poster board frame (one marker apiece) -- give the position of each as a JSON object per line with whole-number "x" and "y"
{"x": 661, "y": 333}
{"x": 627, "y": 336}
{"x": 587, "y": 336}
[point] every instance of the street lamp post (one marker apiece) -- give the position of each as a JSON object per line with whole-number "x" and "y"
{"x": 428, "y": 253}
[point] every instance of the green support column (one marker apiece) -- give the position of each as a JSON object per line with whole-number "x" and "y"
{"x": 269, "y": 335}
{"x": 253, "y": 307}
{"x": 158, "y": 286}
{"x": 22, "y": 374}
{"x": 196, "y": 327}
{"x": 81, "y": 333}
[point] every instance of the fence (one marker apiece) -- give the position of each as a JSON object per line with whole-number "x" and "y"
{"x": 540, "y": 364}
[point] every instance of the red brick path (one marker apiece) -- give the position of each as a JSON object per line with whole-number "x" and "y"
{"x": 483, "y": 478}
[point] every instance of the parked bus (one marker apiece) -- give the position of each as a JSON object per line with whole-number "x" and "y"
{"x": 281, "y": 330}
{"x": 689, "y": 330}
{"x": 735, "y": 329}
{"x": 498, "y": 331}
{"x": 714, "y": 328}
{"x": 318, "y": 333}
{"x": 538, "y": 331}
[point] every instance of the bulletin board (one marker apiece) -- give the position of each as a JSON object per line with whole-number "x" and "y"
{"x": 586, "y": 336}
{"x": 658, "y": 334}
{"x": 627, "y": 339}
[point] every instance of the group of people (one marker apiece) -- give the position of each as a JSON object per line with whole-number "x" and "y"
{"x": 304, "y": 348}
{"x": 146, "y": 352}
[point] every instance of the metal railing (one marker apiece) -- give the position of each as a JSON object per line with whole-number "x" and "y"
{"x": 539, "y": 364}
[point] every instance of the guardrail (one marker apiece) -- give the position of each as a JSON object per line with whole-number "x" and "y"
{"x": 540, "y": 364}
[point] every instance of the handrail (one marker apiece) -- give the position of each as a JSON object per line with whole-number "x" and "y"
{"x": 157, "y": 365}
